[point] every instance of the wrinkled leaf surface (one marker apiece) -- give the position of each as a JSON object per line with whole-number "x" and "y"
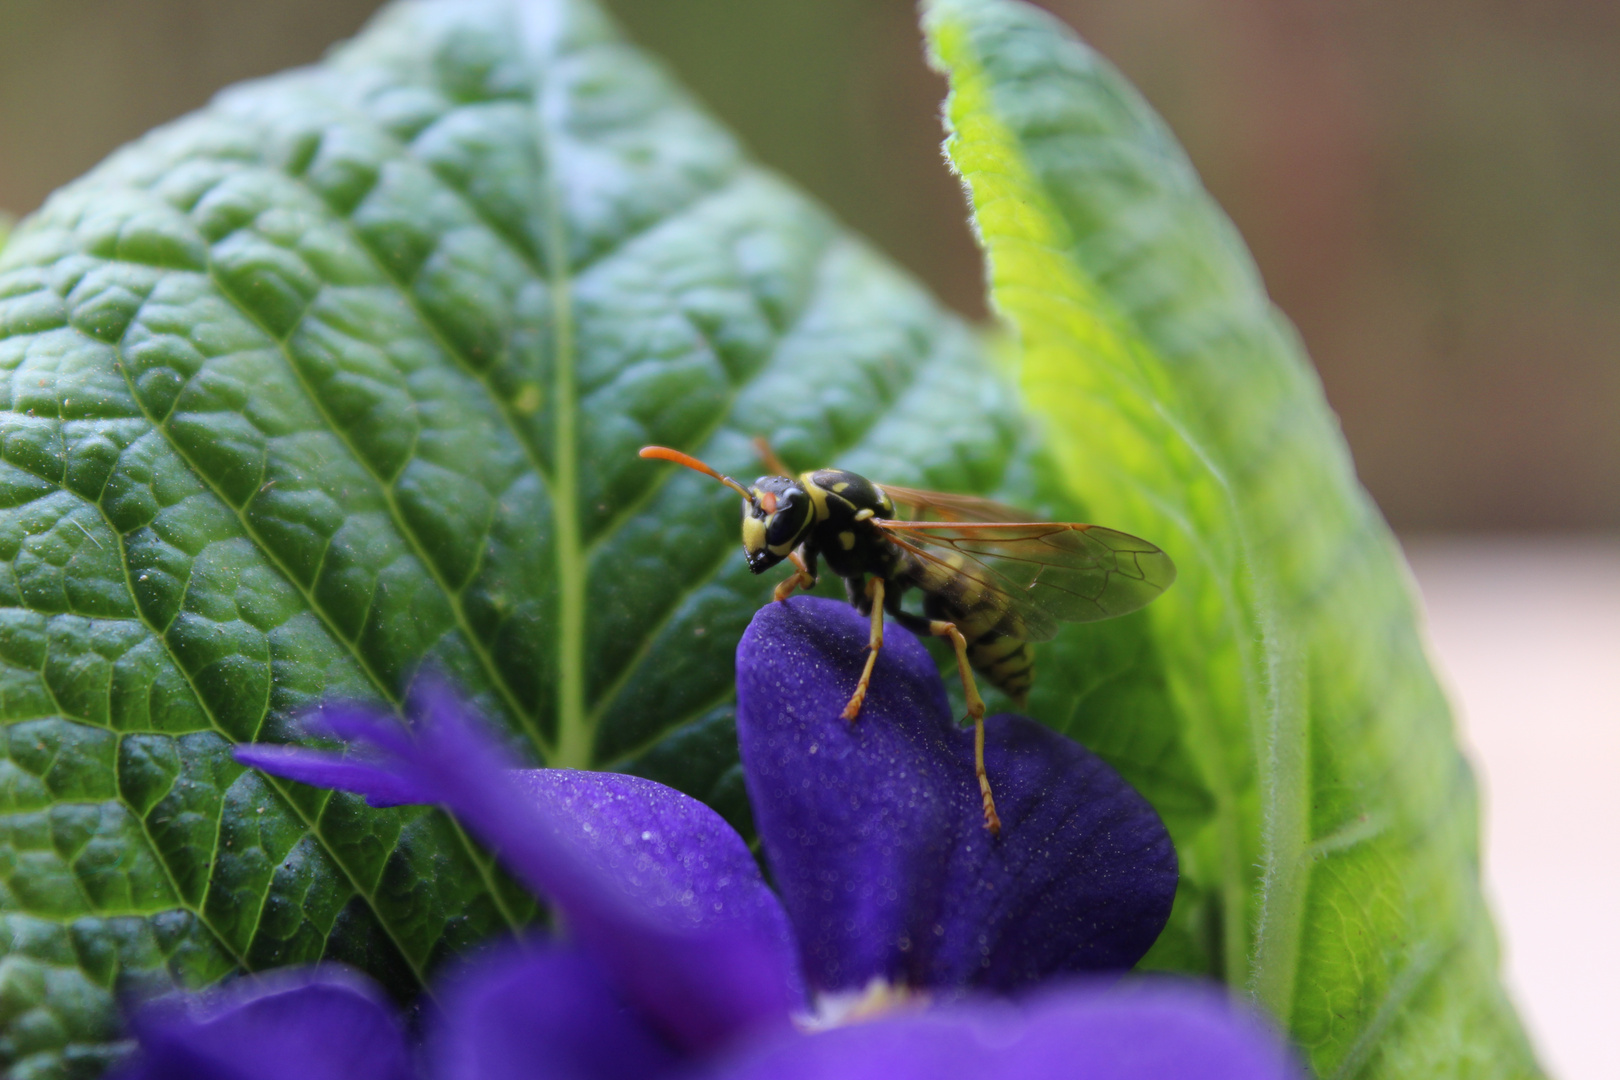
{"x": 344, "y": 376}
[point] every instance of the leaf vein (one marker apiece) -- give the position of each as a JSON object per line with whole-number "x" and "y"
{"x": 396, "y": 517}
{"x": 276, "y": 784}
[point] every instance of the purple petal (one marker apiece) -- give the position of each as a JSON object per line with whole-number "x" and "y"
{"x": 875, "y": 834}
{"x": 1148, "y": 1032}
{"x": 1082, "y": 877}
{"x": 321, "y": 769}
{"x": 653, "y": 883}
{"x": 546, "y": 1012}
{"x": 668, "y": 897}
{"x": 313, "y": 1023}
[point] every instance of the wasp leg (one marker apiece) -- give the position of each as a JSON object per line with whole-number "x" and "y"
{"x": 804, "y": 578}
{"x": 975, "y": 706}
{"x": 874, "y": 592}
{"x": 855, "y": 589}
{"x": 773, "y": 464}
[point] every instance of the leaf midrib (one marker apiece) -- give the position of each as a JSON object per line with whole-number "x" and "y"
{"x": 573, "y": 748}
{"x": 571, "y": 565}
{"x": 696, "y": 583}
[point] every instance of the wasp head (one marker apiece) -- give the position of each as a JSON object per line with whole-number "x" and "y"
{"x": 776, "y": 516}
{"x": 777, "y": 511}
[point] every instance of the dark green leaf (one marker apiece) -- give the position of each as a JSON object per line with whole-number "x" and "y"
{"x": 345, "y": 376}
{"x": 1278, "y": 706}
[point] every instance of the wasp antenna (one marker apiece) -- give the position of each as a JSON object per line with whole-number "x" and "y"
{"x": 664, "y": 453}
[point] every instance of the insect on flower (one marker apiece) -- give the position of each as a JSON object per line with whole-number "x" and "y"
{"x": 992, "y": 581}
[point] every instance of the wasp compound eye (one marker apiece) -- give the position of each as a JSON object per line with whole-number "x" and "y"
{"x": 783, "y": 527}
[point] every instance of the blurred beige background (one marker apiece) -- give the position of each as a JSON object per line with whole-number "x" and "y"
{"x": 1429, "y": 188}
{"x": 1527, "y": 634}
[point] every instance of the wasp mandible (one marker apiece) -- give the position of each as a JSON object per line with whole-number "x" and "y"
{"x": 992, "y": 582}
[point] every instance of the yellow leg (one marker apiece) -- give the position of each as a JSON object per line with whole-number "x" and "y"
{"x": 801, "y": 579}
{"x": 874, "y": 642}
{"x": 975, "y": 706}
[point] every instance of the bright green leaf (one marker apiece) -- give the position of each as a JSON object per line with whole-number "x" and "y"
{"x": 1336, "y": 870}
{"x": 345, "y": 376}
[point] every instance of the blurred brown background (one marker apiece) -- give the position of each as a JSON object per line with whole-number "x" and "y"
{"x": 1428, "y": 185}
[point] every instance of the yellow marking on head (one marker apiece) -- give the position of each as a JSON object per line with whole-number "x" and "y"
{"x": 847, "y": 540}
{"x": 840, "y": 487}
{"x": 864, "y": 515}
{"x": 767, "y": 501}
{"x": 753, "y": 531}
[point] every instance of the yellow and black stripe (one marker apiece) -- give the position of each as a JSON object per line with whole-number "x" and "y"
{"x": 1006, "y": 661}
{"x": 994, "y": 631}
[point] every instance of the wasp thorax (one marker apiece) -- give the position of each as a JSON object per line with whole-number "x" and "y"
{"x": 775, "y": 518}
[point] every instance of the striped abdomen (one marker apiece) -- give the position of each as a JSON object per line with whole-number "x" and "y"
{"x": 994, "y": 632}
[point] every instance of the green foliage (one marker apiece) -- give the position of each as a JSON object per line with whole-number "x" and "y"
{"x": 1336, "y": 856}
{"x": 345, "y": 376}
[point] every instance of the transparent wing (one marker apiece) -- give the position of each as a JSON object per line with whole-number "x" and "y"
{"x": 944, "y": 506}
{"x": 1047, "y": 572}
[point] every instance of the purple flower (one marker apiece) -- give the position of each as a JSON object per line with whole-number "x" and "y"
{"x": 960, "y": 950}
{"x": 875, "y": 833}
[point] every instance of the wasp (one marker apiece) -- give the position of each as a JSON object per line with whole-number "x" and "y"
{"x": 992, "y": 581}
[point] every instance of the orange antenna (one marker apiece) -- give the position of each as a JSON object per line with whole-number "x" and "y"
{"x": 664, "y": 453}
